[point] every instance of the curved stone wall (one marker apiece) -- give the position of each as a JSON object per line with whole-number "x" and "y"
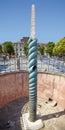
{"x": 15, "y": 85}
{"x": 52, "y": 86}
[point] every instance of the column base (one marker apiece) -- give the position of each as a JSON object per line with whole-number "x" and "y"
{"x": 31, "y": 125}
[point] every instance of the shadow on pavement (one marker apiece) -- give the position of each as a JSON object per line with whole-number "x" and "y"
{"x": 53, "y": 115}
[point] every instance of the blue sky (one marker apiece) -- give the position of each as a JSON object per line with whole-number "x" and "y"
{"x": 15, "y": 18}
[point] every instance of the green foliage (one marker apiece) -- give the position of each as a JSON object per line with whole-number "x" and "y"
{"x": 59, "y": 48}
{"x": 25, "y": 49}
{"x": 8, "y": 48}
{"x": 1, "y": 49}
{"x": 49, "y": 48}
{"x": 41, "y": 49}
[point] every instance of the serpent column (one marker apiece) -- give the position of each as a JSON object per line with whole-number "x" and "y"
{"x": 32, "y": 57}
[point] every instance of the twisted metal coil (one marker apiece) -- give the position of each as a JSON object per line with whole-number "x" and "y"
{"x": 32, "y": 57}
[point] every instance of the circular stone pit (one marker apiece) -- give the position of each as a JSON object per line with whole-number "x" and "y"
{"x": 53, "y": 116}
{"x": 14, "y": 87}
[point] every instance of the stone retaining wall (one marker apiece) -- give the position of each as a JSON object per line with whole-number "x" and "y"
{"x": 52, "y": 86}
{"x": 15, "y": 85}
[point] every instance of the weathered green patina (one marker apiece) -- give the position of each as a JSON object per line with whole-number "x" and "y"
{"x": 32, "y": 79}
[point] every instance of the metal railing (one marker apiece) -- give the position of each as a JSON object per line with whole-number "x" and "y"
{"x": 43, "y": 64}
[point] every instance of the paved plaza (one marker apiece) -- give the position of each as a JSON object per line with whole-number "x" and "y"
{"x": 49, "y": 111}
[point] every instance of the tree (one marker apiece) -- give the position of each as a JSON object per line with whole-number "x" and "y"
{"x": 49, "y": 48}
{"x": 1, "y": 49}
{"x": 25, "y": 50}
{"x": 41, "y": 49}
{"x": 59, "y": 48}
{"x": 8, "y": 48}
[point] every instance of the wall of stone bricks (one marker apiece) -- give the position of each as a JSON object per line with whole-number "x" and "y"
{"x": 15, "y": 85}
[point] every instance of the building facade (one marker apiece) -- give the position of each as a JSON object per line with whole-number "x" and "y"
{"x": 19, "y": 46}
